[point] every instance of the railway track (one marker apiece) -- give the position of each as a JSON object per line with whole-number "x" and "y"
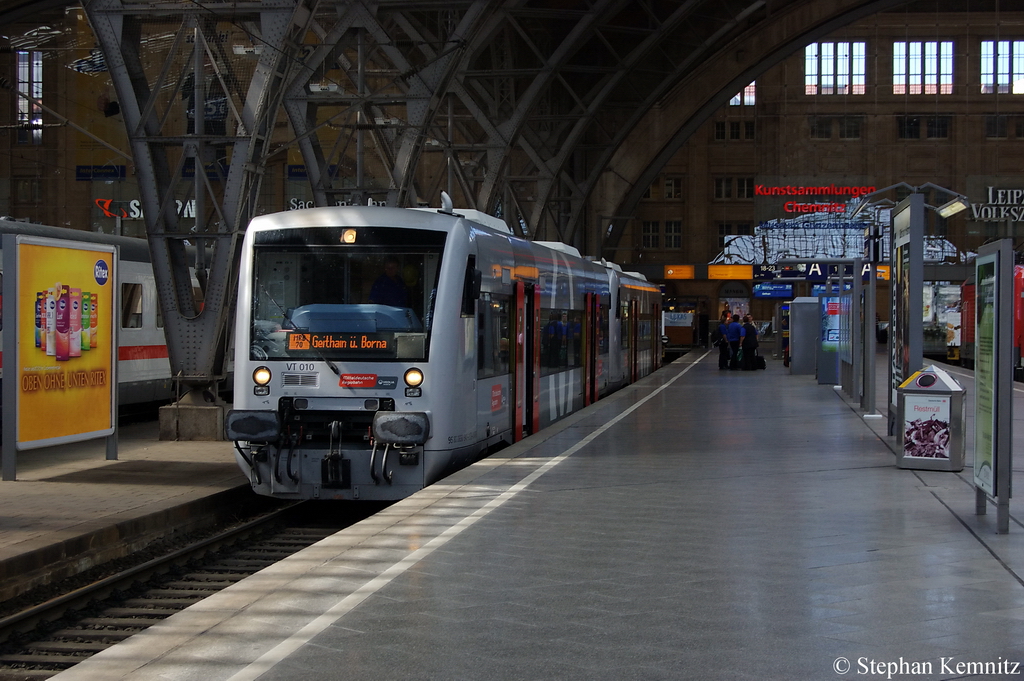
{"x": 43, "y": 640}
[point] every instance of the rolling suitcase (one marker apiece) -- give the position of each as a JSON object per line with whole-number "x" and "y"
{"x": 759, "y": 362}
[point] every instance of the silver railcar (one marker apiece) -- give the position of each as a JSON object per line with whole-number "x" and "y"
{"x": 379, "y": 349}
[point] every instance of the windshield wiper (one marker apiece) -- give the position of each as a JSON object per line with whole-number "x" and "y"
{"x": 284, "y": 314}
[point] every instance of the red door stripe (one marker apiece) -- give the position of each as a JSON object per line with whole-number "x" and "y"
{"x": 127, "y": 352}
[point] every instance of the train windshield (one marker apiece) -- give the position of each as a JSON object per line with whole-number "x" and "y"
{"x": 333, "y": 293}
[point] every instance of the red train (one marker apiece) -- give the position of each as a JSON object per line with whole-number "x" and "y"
{"x": 968, "y": 321}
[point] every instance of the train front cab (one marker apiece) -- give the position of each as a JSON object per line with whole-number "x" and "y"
{"x": 337, "y": 381}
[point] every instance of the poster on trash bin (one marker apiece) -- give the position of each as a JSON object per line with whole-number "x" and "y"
{"x": 926, "y": 426}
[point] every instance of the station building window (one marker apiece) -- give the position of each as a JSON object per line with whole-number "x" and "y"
{"x": 996, "y": 127}
{"x": 745, "y": 97}
{"x": 908, "y": 127}
{"x": 937, "y": 127}
{"x": 723, "y": 187}
{"x": 744, "y": 187}
{"x": 1002, "y": 67}
{"x": 728, "y": 230}
{"x": 850, "y": 127}
{"x": 673, "y": 234}
{"x": 30, "y": 84}
{"x": 28, "y": 191}
{"x": 922, "y": 68}
{"x": 820, "y": 126}
{"x": 650, "y": 233}
{"x": 734, "y": 130}
{"x": 673, "y": 187}
{"x": 724, "y": 233}
{"x": 835, "y": 69}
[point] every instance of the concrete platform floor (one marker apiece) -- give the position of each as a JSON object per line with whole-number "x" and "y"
{"x": 70, "y": 509}
{"x": 697, "y": 525}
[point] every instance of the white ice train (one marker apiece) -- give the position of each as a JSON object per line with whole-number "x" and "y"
{"x": 143, "y": 370}
{"x": 378, "y": 349}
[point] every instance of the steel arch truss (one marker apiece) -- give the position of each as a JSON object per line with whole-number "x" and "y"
{"x": 520, "y": 108}
{"x": 199, "y": 119}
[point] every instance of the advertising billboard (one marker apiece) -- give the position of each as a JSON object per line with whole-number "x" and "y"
{"x": 65, "y": 363}
{"x": 985, "y": 400}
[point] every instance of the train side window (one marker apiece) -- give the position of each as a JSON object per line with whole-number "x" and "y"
{"x": 561, "y": 340}
{"x": 131, "y": 306}
{"x": 471, "y": 287}
{"x": 493, "y": 333}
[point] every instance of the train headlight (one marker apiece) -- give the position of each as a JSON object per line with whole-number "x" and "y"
{"x": 261, "y": 376}
{"x": 413, "y": 379}
{"x": 348, "y": 236}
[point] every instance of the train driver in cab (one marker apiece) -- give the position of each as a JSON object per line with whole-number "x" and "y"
{"x": 390, "y": 289}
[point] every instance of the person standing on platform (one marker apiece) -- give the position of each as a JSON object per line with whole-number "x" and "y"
{"x": 718, "y": 337}
{"x": 749, "y": 344}
{"x": 734, "y": 334}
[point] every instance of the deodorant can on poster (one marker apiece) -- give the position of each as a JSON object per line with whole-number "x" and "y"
{"x": 51, "y": 321}
{"x": 94, "y": 329}
{"x": 40, "y": 337}
{"x": 75, "y": 347}
{"x": 63, "y": 319}
{"x": 86, "y": 319}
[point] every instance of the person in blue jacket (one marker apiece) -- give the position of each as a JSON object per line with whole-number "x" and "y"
{"x": 734, "y": 334}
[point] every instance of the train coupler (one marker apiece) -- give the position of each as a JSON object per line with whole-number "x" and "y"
{"x": 335, "y": 472}
{"x": 408, "y": 456}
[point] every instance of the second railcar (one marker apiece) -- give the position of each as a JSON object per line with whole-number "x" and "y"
{"x": 380, "y": 349}
{"x": 143, "y": 373}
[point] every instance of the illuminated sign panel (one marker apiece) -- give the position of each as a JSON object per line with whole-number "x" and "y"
{"x": 730, "y": 272}
{"x": 820, "y": 190}
{"x": 348, "y": 343}
{"x": 796, "y": 207}
{"x": 679, "y": 272}
{"x": 768, "y": 289}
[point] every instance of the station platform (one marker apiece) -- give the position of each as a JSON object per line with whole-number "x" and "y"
{"x": 70, "y": 509}
{"x": 700, "y": 524}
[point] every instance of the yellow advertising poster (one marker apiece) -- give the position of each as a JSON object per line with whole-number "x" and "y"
{"x": 65, "y": 357}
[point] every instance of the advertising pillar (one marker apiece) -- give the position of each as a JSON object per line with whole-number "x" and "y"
{"x": 906, "y": 330}
{"x": 993, "y": 379}
{"x": 59, "y": 344}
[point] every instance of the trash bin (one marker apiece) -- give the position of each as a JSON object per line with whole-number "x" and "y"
{"x": 930, "y": 405}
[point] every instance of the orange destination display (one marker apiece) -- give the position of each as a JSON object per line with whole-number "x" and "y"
{"x": 65, "y": 341}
